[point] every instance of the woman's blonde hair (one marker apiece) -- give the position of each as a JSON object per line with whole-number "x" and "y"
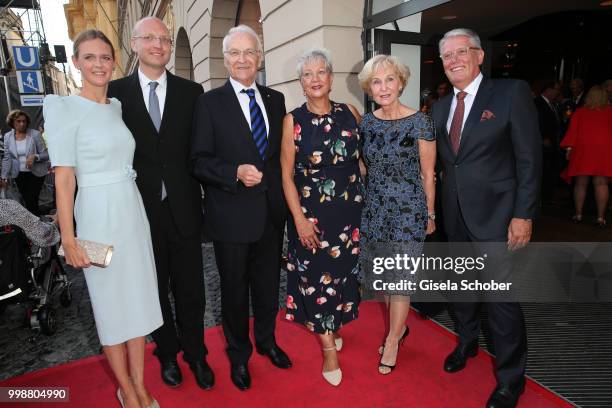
{"x": 596, "y": 98}
{"x": 381, "y": 61}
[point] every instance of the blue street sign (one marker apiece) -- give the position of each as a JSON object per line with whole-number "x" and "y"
{"x": 30, "y": 82}
{"x": 32, "y": 100}
{"x": 26, "y": 57}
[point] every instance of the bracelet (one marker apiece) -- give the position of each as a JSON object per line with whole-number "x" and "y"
{"x": 431, "y": 216}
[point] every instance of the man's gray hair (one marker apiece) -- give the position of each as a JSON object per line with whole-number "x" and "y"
{"x": 316, "y": 54}
{"x": 241, "y": 29}
{"x": 461, "y": 32}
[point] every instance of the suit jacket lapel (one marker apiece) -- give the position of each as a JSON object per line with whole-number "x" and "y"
{"x": 485, "y": 90}
{"x": 137, "y": 101}
{"x": 235, "y": 111}
{"x": 272, "y": 133}
{"x": 171, "y": 93}
{"x": 445, "y": 105}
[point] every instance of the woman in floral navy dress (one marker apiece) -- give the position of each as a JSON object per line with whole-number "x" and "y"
{"x": 322, "y": 184}
{"x": 399, "y": 150}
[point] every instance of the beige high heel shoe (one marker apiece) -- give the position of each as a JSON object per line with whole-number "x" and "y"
{"x": 120, "y": 398}
{"x": 339, "y": 343}
{"x": 154, "y": 404}
{"x": 333, "y": 377}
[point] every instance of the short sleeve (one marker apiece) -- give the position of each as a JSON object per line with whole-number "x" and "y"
{"x": 60, "y": 130}
{"x": 425, "y": 127}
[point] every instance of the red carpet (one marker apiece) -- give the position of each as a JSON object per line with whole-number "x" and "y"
{"x": 418, "y": 380}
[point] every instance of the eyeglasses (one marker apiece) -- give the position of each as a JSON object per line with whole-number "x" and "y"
{"x": 233, "y": 53}
{"x": 458, "y": 53}
{"x": 151, "y": 38}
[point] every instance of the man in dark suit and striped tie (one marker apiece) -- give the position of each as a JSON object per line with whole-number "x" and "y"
{"x": 236, "y": 156}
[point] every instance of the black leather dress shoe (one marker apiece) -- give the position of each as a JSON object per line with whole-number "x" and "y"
{"x": 203, "y": 374}
{"x": 241, "y": 377}
{"x": 505, "y": 397}
{"x": 277, "y": 356}
{"x": 457, "y": 359}
{"x": 170, "y": 370}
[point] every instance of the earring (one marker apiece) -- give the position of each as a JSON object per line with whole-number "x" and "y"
{"x": 304, "y": 92}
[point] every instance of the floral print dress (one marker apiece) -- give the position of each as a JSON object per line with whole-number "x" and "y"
{"x": 394, "y": 218}
{"x": 322, "y": 284}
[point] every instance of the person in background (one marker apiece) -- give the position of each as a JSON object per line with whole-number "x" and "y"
{"x": 588, "y": 143}
{"x": 90, "y": 145}
{"x": 399, "y": 151}
{"x": 607, "y": 86}
{"x": 576, "y": 87}
{"x": 42, "y": 233}
{"x": 25, "y": 160}
{"x": 322, "y": 185}
{"x": 442, "y": 90}
{"x": 550, "y": 129}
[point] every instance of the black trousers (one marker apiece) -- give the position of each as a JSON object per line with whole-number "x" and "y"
{"x": 506, "y": 323}
{"x": 178, "y": 260}
{"x": 255, "y": 268}
{"x": 29, "y": 186}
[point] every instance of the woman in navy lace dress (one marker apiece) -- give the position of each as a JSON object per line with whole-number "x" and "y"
{"x": 399, "y": 151}
{"x": 322, "y": 185}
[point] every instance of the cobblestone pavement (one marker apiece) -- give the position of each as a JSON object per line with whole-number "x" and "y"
{"x": 22, "y": 350}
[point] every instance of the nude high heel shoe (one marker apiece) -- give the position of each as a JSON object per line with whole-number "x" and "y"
{"x": 333, "y": 377}
{"x": 339, "y": 343}
{"x": 120, "y": 398}
{"x": 154, "y": 404}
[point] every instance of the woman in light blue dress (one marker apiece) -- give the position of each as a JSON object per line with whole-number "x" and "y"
{"x": 90, "y": 146}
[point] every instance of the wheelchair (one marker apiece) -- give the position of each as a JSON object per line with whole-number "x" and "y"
{"x": 41, "y": 276}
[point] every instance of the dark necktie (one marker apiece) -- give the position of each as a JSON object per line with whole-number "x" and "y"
{"x": 457, "y": 122}
{"x": 258, "y": 124}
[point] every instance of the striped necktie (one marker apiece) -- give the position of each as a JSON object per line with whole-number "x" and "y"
{"x": 258, "y": 124}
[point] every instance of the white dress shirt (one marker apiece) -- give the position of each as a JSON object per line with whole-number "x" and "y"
{"x": 468, "y": 101}
{"x": 244, "y": 100}
{"x": 162, "y": 83}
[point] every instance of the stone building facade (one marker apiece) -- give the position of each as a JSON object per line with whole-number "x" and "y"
{"x": 287, "y": 28}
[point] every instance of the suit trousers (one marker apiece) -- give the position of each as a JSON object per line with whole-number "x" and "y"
{"x": 180, "y": 271}
{"x": 505, "y": 319}
{"x": 255, "y": 268}
{"x": 29, "y": 186}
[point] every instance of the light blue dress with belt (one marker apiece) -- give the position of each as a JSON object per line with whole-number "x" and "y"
{"x": 92, "y": 138}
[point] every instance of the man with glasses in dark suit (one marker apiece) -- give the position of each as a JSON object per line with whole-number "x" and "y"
{"x": 236, "y": 155}
{"x": 490, "y": 150}
{"x": 158, "y": 109}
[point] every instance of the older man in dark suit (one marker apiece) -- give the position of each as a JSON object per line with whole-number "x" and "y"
{"x": 158, "y": 109}
{"x": 490, "y": 151}
{"x": 235, "y": 154}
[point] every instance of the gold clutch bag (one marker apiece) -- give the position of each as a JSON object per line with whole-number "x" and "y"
{"x": 99, "y": 254}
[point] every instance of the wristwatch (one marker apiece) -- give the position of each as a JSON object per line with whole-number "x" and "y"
{"x": 431, "y": 216}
